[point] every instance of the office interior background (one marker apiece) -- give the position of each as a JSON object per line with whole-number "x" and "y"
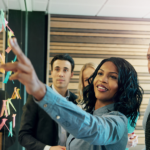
{"x": 88, "y": 30}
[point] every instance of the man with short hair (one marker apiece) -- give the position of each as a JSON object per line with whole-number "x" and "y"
{"x": 37, "y": 130}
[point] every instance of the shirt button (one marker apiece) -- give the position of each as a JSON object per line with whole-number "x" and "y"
{"x": 58, "y": 117}
{"x": 45, "y": 105}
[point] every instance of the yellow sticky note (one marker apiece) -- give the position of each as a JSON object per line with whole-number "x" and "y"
{"x": 10, "y": 34}
{"x": 2, "y": 61}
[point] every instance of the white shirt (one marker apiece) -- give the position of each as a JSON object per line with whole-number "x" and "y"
{"x": 62, "y": 134}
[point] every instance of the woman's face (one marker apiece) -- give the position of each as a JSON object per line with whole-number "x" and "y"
{"x": 86, "y": 74}
{"x": 106, "y": 82}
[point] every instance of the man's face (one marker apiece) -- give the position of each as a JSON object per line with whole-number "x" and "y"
{"x": 148, "y": 58}
{"x": 61, "y": 73}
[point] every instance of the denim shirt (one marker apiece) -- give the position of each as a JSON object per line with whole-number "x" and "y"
{"x": 104, "y": 127}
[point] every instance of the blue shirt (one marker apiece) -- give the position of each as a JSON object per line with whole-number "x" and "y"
{"x": 101, "y": 128}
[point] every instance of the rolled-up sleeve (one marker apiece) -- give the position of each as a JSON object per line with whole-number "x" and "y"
{"x": 96, "y": 130}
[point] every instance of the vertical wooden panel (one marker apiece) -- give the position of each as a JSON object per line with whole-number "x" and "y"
{"x": 2, "y": 50}
{"x": 93, "y": 39}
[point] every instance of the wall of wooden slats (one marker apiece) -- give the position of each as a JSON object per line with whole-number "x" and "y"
{"x": 2, "y": 50}
{"x": 93, "y": 39}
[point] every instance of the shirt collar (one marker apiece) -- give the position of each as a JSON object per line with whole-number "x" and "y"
{"x": 68, "y": 93}
{"x": 104, "y": 109}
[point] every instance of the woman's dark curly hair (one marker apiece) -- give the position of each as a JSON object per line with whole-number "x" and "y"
{"x": 129, "y": 96}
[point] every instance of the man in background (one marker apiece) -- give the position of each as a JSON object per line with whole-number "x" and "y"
{"x": 37, "y": 130}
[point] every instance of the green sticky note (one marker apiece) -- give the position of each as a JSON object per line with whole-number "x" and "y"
{"x": 2, "y": 20}
{"x": 15, "y": 59}
{"x": 10, "y": 129}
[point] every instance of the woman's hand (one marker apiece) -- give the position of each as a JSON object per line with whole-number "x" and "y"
{"x": 57, "y": 148}
{"x": 24, "y": 72}
{"x": 132, "y": 140}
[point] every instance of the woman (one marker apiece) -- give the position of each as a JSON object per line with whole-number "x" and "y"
{"x": 86, "y": 71}
{"x": 112, "y": 94}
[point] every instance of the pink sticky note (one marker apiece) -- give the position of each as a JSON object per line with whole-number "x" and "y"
{"x": 14, "y": 117}
{"x": 3, "y": 123}
{"x": 6, "y": 22}
{"x": 4, "y": 108}
{"x": 8, "y": 49}
{"x": 9, "y": 29}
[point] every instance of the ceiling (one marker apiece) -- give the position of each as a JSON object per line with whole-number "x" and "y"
{"x": 109, "y": 8}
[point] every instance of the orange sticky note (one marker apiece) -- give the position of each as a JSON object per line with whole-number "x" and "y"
{"x": 2, "y": 60}
{"x": 8, "y": 49}
{"x": 16, "y": 94}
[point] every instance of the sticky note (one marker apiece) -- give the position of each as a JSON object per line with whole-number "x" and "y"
{"x": 10, "y": 128}
{"x": 9, "y": 73}
{"x": 8, "y": 49}
{"x": 3, "y": 123}
{"x": 9, "y": 103}
{"x": 2, "y": 21}
{"x": 14, "y": 118}
{"x": 16, "y": 94}
{"x": 7, "y": 76}
{"x": 10, "y": 34}
{"x": 2, "y": 58}
{"x": 4, "y": 109}
{"x": 15, "y": 59}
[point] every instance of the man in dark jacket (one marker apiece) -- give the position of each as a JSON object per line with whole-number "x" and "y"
{"x": 147, "y": 134}
{"x": 37, "y": 130}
